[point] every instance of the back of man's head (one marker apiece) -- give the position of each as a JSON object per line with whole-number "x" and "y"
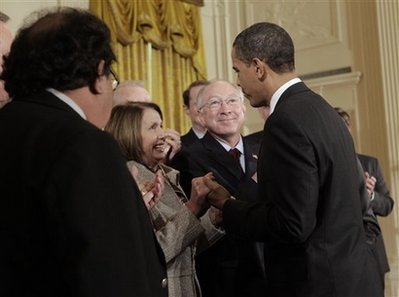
{"x": 60, "y": 49}
{"x": 269, "y": 43}
{"x": 131, "y": 91}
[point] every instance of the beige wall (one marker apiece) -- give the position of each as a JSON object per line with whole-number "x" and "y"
{"x": 328, "y": 35}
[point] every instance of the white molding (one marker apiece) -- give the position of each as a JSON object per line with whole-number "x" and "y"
{"x": 351, "y": 78}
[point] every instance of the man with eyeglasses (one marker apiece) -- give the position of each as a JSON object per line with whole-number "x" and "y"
{"x": 73, "y": 222}
{"x": 232, "y": 267}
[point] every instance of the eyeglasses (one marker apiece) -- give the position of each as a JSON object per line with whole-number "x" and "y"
{"x": 114, "y": 79}
{"x": 214, "y": 103}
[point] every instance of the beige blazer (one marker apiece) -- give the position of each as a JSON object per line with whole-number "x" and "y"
{"x": 180, "y": 234}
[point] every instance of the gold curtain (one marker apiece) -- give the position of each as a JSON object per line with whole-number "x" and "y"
{"x": 159, "y": 42}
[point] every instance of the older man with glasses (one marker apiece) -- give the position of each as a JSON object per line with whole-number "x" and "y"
{"x": 231, "y": 267}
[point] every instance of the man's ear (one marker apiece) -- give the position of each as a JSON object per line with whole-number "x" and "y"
{"x": 259, "y": 68}
{"x": 99, "y": 85}
{"x": 186, "y": 110}
{"x": 201, "y": 118}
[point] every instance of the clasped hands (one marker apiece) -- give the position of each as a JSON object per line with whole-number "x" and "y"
{"x": 205, "y": 193}
{"x": 151, "y": 190}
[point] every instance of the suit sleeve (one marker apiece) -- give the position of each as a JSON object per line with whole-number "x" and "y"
{"x": 290, "y": 192}
{"x": 176, "y": 228}
{"x": 382, "y": 203}
{"x": 99, "y": 225}
{"x": 211, "y": 234}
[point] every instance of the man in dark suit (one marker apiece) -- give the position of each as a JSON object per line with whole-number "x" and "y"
{"x": 73, "y": 222}
{"x": 381, "y": 202}
{"x": 197, "y": 129}
{"x": 310, "y": 218}
{"x": 232, "y": 266}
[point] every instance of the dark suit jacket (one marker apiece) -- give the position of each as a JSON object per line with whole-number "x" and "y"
{"x": 232, "y": 266}
{"x": 381, "y": 205}
{"x": 254, "y": 138}
{"x": 73, "y": 222}
{"x": 189, "y": 138}
{"x": 310, "y": 218}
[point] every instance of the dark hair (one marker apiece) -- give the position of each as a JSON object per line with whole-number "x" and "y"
{"x": 186, "y": 93}
{"x": 125, "y": 126}
{"x": 269, "y": 43}
{"x": 3, "y": 17}
{"x": 61, "y": 49}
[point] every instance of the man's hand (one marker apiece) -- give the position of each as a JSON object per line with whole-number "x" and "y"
{"x": 198, "y": 203}
{"x": 218, "y": 195}
{"x": 172, "y": 138}
{"x": 370, "y": 183}
{"x": 216, "y": 216}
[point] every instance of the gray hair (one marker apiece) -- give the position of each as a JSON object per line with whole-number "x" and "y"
{"x": 200, "y": 98}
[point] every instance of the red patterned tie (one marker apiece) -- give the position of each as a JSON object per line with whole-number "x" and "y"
{"x": 235, "y": 154}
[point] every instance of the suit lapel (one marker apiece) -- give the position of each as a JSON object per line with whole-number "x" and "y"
{"x": 218, "y": 155}
{"x": 251, "y": 158}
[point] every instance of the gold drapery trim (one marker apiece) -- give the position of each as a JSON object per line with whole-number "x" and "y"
{"x": 173, "y": 28}
{"x": 195, "y": 2}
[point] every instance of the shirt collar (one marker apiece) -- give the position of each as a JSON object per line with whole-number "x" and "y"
{"x": 276, "y": 96}
{"x": 68, "y": 101}
{"x": 227, "y": 147}
{"x": 198, "y": 133}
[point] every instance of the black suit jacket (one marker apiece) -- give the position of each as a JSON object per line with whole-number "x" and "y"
{"x": 254, "y": 138}
{"x": 73, "y": 222}
{"x": 232, "y": 266}
{"x": 310, "y": 218}
{"x": 381, "y": 205}
{"x": 189, "y": 138}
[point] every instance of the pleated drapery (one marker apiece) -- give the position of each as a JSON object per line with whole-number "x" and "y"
{"x": 159, "y": 42}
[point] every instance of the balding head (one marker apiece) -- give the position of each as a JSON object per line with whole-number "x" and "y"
{"x": 131, "y": 91}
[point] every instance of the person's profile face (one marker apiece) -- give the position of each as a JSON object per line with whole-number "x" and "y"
{"x": 192, "y": 109}
{"x": 347, "y": 122}
{"x": 247, "y": 80}
{"x": 155, "y": 147}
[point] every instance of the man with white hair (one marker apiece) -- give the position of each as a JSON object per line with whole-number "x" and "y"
{"x": 131, "y": 91}
{"x": 232, "y": 267}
